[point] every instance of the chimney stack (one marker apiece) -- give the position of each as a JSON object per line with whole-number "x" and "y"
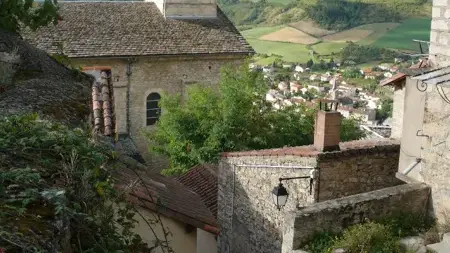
{"x": 187, "y": 9}
{"x": 327, "y": 131}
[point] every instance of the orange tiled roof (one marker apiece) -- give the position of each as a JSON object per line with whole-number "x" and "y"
{"x": 202, "y": 179}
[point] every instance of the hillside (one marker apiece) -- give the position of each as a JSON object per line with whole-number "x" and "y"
{"x": 293, "y": 30}
{"x": 326, "y": 13}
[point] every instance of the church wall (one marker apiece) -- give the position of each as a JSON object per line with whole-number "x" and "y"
{"x": 172, "y": 75}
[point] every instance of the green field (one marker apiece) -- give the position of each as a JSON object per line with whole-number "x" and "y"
{"x": 401, "y": 37}
{"x": 257, "y": 32}
{"x": 291, "y": 52}
{"x": 385, "y": 35}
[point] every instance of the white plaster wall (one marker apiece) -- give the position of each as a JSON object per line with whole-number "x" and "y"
{"x": 410, "y": 148}
{"x": 206, "y": 242}
{"x": 180, "y": 241}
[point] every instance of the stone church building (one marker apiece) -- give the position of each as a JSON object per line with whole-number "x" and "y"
{"x": 144, "y": 49}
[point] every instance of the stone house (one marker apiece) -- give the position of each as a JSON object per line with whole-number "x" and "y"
{"x": 148, "y": 49}
{"x": 329, "y": 169}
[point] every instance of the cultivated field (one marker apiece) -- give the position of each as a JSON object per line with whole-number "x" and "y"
{"x": 291, "y": 44}
{"x": 257, "y": 32}
{"x": 311, "y": 28}
{"x": 352, "y": 35}
{"x": 401, "y": 37}
{"x": 291, "y": 35}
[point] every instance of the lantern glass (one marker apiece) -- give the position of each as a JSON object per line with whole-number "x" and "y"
{"x": 280, "y": 196}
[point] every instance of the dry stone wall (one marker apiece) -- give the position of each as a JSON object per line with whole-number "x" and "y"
{"x": 335, "y": 215}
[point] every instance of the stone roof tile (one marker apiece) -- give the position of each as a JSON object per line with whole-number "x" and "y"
{"x": 112, "y": 29}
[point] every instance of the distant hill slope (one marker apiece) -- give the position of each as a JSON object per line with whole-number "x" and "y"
{"x": 328, "y": 14}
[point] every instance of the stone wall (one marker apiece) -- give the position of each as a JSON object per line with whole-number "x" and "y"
{"x": 435, "y": 151}
{"x": 352, "y": 172}
{"x": 336, "y": 215}
{"x": 165, "y": 74}
{"x": 248, "y": 217}
{"x": 440, "y": 33}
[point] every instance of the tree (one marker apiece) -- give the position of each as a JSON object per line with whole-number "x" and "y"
{"x": 14, "y": 13}
{"x": 234, "y": 117}
{"x": 310, "y": 63}
{"x": 331, "y": 63}
{"x": 60, "y": 183}
{"x": 385, "y": 110}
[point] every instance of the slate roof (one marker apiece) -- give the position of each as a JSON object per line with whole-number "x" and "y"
{"x": 202, "y": 179}
{"x": 113, "y": 29}
{"x": 166, "y": 196}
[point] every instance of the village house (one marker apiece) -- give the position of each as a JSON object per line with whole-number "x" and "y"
{"x": 385, "y": 66}
{"x": 301, "y": 68}
{"x": 295, "y": 87}
{"x": 283, "y": 86}
{"x": 325, "y": 78}
{"x": 185, "y": 207}
{"x": 147, "y": 49}
{"x": 313, "y": 77}
{"x": 268, "y": 69}
{"x": 373, "y": 75}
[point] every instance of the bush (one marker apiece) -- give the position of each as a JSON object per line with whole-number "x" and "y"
{"x": 406, "y": 224}
{"x": 320, "y": 242}
{"x": 369, "y": 237}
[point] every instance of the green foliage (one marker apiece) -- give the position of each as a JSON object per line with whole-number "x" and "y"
{"x": 340, "y": 15}
{"x": 320, "y": 242}
{"x": 380, "y": 236}
{"x": 17, "y": 13}
{"x": 310, "y": 63}
{"x": 235, "y": 117}
{"x": 53, "y": 178}
{"x": 363, "y": 53}
{"x": 369, "y": 237}
{"x": 404, "y": 224}
{"x": 352, "y": 72}
{"x": 385, "y": 111}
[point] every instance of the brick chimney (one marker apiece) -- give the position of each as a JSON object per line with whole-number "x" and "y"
{"x": 327, "y": 130}
{"x": 440, "y": 33}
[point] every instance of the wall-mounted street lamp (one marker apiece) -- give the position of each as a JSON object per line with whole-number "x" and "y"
{"x": 280, "y": 194}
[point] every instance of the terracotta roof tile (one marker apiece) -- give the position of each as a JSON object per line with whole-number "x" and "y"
{"x": 105, "y": 29}
{"x": 311, "y": 151}
{"x": 168, "y": 197}
{"x": 202, "y": 179}
{"x": 393, "y": 79}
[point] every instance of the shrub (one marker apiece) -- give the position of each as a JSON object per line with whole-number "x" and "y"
{"x": 368, "y": 238}
{"x": 406, "y": 224}
{"x": 320, "y": 242}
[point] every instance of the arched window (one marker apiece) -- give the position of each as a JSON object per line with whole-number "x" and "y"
{"x": 153, "y": 110}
